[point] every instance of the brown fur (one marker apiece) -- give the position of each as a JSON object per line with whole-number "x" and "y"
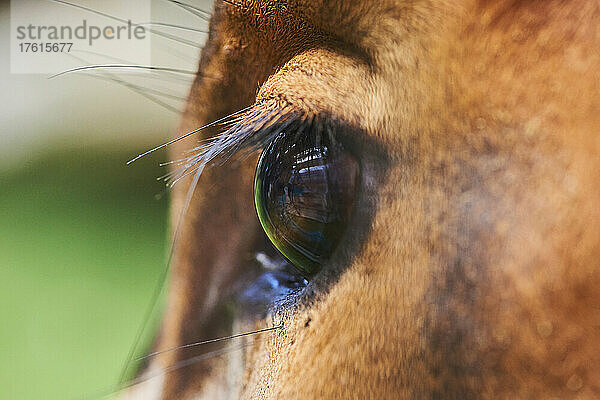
{"x": 476, "y": 270}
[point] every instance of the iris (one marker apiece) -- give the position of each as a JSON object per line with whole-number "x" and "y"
{"x": 305, "y": 188}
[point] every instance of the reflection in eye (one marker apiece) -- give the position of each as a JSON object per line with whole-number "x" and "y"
{"x": 304, "y": 192}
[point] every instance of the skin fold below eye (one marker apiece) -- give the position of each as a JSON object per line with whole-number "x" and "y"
{"x": 305, "y": 187}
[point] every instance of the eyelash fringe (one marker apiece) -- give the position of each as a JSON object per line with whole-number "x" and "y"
{"x": 244, "y": 133}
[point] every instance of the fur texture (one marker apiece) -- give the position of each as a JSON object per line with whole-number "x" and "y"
{"x": 471, "y": 266}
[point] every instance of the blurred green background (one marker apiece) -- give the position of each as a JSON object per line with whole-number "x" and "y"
{"x": 83, "y": 244}
{"x": 83, "y": 237}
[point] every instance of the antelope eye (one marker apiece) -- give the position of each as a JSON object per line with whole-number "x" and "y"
{"x": 305, "y": 187}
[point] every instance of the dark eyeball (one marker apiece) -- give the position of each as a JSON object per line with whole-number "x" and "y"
{"x": 305, "y": 187}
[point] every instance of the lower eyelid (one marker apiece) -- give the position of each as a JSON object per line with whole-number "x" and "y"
{"x": 276, "y": 282}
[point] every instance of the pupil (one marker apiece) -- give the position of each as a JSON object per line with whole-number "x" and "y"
{"x": 304, "y": 194}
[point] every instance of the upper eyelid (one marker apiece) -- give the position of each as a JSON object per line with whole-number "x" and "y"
{"x": 305, "y": 29}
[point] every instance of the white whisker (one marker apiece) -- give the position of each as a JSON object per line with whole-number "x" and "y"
{"x": 196, "y": 344}
{"x": 114, "y": 18}
{"x": 161, "y": 282}
{"x": 167, "y": 25}
{"x": 124, "y": 66}
{"x": 198, "y": 12}
{"x": 172, "y": 368}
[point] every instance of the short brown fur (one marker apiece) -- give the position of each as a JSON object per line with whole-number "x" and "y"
{"x": 477, "y": 274}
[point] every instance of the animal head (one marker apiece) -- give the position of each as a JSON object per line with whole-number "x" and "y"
{"x": 461, "y": 148}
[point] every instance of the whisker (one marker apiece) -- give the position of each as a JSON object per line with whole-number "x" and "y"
{"x": 142, "y": 91}
{"x": 232, "y": 3}
{"x": 123, "y": 66}
{"x": 203, "y": 357}
{"x": 167, "y": 25}
{"x": 152, "y": 91}
{"x": 137, "y": 87}
{"x": 116, "y": 59}
{"x": 161, "y": 282}
{"x": 196, "y": 344}
{"x": 168, "y": 78}
{"x": 182, "y": 79}
{"x": 185, "y": 81}
{"x": 174, "y": 38}
{"x": 198, "y": 12}
{"x": 158, "y": 92}
{"x": 188, "y": 134}
{"x": 114, "y": 18}
{"x": 172, "y": 368}
{"x": 182, "y": 55}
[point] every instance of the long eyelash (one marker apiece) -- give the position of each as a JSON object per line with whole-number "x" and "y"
{"x": 251, "y": 131}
